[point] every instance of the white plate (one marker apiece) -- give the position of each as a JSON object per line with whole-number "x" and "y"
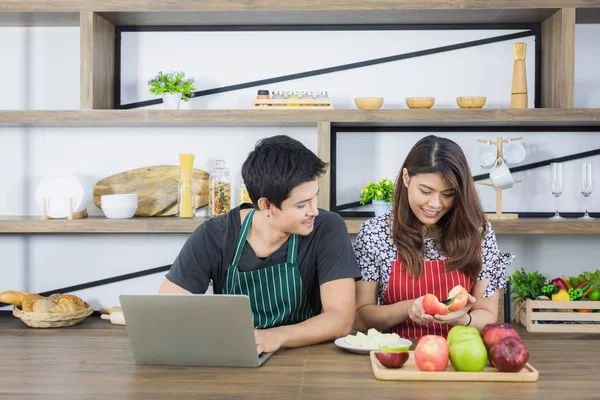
{"x": 58, "y": 189}
{"x": 341, "y": 342}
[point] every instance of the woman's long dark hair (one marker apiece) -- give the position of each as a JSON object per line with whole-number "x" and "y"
{"x": 461, "y": 229}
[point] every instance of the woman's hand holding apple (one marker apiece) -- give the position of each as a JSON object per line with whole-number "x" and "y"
{"x": 417, "y": 313}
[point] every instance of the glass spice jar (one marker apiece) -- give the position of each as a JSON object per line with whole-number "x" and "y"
{"x": 308, "y": 96}
{"x": 294, "y": 96}
{"x": 322, "y": 95}
{"x": 278, "y": 95}
{"x": 219, "y": 190}
{"x": 263, "y": 95}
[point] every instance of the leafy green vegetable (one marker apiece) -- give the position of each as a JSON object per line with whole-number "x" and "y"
{"x": 525, "y": 285}
{"x": 593, "y": 277}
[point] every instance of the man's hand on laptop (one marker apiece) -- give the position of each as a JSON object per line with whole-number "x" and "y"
{"x": 268, "y": 340}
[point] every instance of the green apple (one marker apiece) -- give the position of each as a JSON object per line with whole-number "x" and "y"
{"x": 468, "y": 354}
{"x": 462, "y": 331}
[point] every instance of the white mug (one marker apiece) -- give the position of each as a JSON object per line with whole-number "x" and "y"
{"x": 486, "y": 155}
{"x": 514, "y": 152}
{"x": 501, "y": 176}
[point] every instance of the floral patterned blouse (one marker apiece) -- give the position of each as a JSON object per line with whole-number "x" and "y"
{"x": 375, "y": 252}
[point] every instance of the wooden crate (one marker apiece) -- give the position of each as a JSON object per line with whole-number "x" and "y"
{"x": 561, "y": 311}
{"x": 291, "y": 104}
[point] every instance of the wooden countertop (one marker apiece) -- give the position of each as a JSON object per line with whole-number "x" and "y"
{"x": 94, "y": 360}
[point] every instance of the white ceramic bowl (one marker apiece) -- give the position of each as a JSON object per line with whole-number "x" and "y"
{"x": 118, "y": 197}
{"x": 119, "y": 200}
{"x": 119, "y": 212}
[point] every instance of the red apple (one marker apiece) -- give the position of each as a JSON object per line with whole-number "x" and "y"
{"x": 509, "y": 354}
{"x": 496, "y": 333}
{"x": 392, "y": 360}
{"x": 495, "y": 324}
{"x": 432, "y": 306}
{"x": 431, "y": 353}
{"x": 457, "y": 298}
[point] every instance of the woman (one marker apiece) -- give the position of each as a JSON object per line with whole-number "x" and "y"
{"x": 435, "y": 238}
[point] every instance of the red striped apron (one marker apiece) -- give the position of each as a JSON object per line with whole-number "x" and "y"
{"x": 435, "y": 280}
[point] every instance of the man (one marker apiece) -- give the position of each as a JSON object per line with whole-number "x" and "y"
{"x": 294, "y": 261}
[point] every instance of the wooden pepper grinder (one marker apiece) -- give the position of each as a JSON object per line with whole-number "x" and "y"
{"x": 519, "y": 82}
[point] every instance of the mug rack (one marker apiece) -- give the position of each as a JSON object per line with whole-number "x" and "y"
{"x": 499, "y": 215}
{"x": 72, "y": 215}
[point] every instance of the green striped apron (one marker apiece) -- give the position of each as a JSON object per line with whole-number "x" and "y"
{"x": 276, "y": 293}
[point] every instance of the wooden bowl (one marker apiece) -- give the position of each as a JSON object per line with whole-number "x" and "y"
{"x": 420, "y": 102}
{"x": 471, "y": 101}
{"x": 368, "y": 103}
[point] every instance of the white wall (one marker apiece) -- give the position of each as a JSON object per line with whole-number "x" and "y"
{"x": 43, "y": 73}
{"x": 219, "y": 59}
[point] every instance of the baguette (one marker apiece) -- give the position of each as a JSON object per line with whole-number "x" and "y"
{"x": 12, "y": 297}
{"x": 28, "y": 300}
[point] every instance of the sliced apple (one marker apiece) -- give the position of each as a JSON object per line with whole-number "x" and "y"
{"x": 392, "y": 360}
{"x": 432, "y": 306}
{"x": 457, "y": 298}
{"x": 391, "y": 348}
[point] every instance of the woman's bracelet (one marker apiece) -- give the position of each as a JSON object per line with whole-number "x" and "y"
{"x": 470, "y": 318}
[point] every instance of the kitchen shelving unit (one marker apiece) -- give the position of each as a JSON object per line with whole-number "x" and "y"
{"x": 98, "y": 20}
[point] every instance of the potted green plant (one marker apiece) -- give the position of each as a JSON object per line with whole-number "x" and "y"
{"x": 379, "y": 194}
{"x": 173, "y": 87}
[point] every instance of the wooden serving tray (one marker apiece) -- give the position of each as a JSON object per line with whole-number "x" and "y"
{"x": 410, "y": 372}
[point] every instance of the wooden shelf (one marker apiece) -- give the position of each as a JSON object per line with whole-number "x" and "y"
{"x": 273, "y": 12}
{"x": 339, "y": 117}
{"x": 28, "y": 19}
{"x": 101, "y": 225}
{"x": 523, "y": 226}
{"x": 34, "y": 224}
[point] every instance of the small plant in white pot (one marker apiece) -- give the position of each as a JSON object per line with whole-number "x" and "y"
{"x": 173, "y": 87}
{"x": 379, "y": 194}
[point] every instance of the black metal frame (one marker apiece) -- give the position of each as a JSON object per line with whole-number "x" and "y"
{"x": 335, "y": 129}
{"x": 106, "y": 281}
{"x": 530, "y": 30}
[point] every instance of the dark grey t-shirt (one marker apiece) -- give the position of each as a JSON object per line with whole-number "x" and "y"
{"x": 324, "y": 255}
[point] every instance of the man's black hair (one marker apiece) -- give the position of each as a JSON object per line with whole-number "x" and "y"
{"x": 276, "y": 166}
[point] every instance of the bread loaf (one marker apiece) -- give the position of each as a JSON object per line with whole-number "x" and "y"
{"x": 55, "y": 297}
{"x": 28, "y": 301}
{"x": 74, "y": 299}
{"x": 65, "y": 305}
{"x": 43, "y": 305}
{"x": 12, "y": 297}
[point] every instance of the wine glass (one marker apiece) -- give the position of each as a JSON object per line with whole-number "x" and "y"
{"x": 556, "y": 179}
{"x": 587, "y": 186}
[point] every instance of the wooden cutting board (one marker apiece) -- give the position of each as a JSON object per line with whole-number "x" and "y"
{"x": 156, "y": 187}
{"x": 410, "y": 372}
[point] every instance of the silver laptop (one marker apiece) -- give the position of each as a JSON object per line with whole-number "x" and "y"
{"x": 187, "y": 329}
